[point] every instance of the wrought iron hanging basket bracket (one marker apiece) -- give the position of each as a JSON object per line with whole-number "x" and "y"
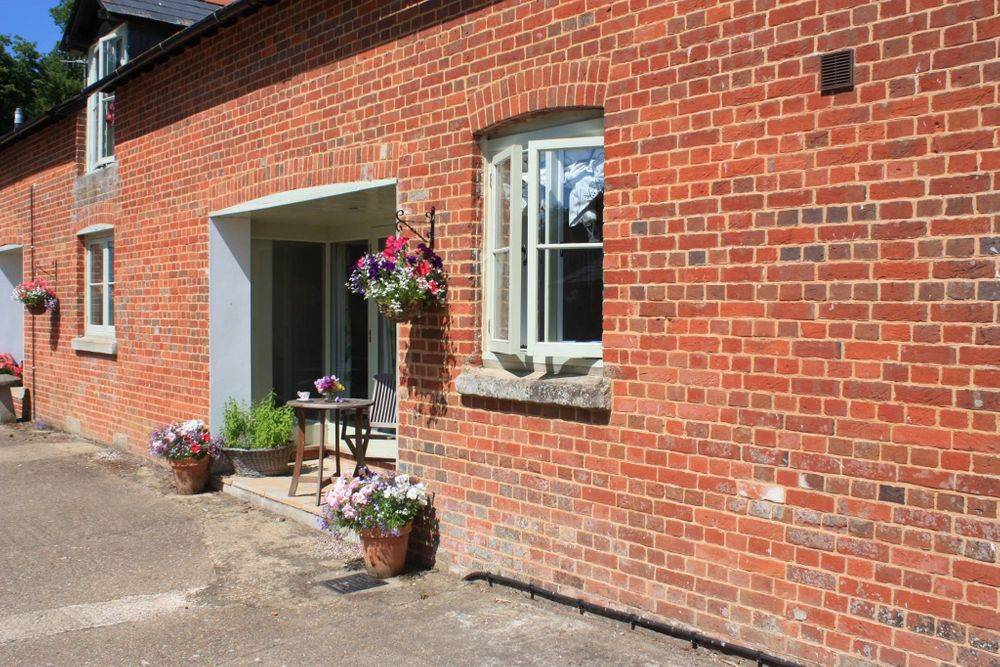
{"x": 431, "y": 216}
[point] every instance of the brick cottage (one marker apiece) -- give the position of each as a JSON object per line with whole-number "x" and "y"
{"x": 721, "y": 347}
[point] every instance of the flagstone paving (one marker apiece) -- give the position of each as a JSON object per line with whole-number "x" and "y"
{"x": 101, "y": 564}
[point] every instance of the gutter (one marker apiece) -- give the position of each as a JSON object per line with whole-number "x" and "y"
{"x": 146, "y": 61}
{"x": 696, "y": 638}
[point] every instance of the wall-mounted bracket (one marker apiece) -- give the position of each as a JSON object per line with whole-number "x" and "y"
{"x": 431, "y": 216}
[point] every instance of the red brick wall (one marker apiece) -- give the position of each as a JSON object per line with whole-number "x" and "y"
{"x": 801, "y": 293}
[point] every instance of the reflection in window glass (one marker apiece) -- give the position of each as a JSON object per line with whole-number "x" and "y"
{"x": 571, "y": 257}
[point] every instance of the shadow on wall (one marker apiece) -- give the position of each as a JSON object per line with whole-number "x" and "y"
{"x": 428, "y": 364}
{"x": 55, "y": 320}
{"x": 338, "y": 31}
{"x": 541, "y": 410}
{"x": 425, "y": 538}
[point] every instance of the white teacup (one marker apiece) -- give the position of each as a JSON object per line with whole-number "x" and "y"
{"x": 303, "y": 395}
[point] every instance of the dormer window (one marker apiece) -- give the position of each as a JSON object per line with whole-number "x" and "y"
{"x": 103, "y": 58}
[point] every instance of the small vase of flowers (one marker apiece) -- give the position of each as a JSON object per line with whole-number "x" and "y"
{"x": 190, "y": 448}
{"x": 402, "y": 284}
{"x": 381, "y": 510}
{"x": 331, "y": 388}
{"x": 36, "y": 296}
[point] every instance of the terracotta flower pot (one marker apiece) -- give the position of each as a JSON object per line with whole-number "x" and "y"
{"x": 190, "y": 475}
{"x": 385, "y": 555}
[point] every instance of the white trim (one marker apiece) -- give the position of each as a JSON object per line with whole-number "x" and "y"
{"x": 512, "y": 343}
{"x": 94, "y": 230}
{"x": 10, "y": 247}
{"x": 300, "y": 196}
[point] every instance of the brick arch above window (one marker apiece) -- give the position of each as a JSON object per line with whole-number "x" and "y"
{"x": 567, "y": 85}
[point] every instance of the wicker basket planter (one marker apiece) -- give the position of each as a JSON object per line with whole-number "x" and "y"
{"x": 260, "y": 462}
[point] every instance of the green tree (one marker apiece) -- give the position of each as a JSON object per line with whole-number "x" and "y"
{"x": 60, "y": 13}
{"x": 32, "y": 81}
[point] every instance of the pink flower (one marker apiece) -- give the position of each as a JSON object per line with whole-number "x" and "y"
{"x": 423, "y": 268}
{"x": 432, "y": 285}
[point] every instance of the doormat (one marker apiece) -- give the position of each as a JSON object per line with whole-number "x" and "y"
{"x": 353, "y": 583}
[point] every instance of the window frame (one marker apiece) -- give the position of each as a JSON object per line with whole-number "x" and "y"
{"x": 514, "y": 251}
{"x": 523, "y": 342}
{"x": 543, "y": 348}
{"x": 105, "y": 244}
{"x": 96, "y": 125}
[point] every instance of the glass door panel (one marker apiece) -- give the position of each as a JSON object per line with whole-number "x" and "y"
{"x": 350, "y": 321}
{"x": 298, "y": 316}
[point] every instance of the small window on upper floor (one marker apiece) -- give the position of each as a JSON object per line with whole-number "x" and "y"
{"x": 105, "y": 57}
{"x": 544, "y": 241}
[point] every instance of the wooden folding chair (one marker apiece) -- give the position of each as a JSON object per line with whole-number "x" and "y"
{"x": 382, "y": 417}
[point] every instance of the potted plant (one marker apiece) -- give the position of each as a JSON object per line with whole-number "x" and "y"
{"x": 10, "y": 367}
{"x": 257, "y": 439}
{"x": 36, "y": 296}
{"x": 381, "y": 510}
{"x": 330, "y": 387}
{"x": 189, "y": 447}
{"x": 402, "y": 284}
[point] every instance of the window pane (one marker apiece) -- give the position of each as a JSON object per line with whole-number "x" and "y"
{"x": 96, "y": 263}
{"x": 501, "y": 230}
{"x": 111, "y": 305}
{"x": 112, "y": 53}
{"x": 96, "y": 305}
{"x": 571, "y": 195}
{"x": 501, "y": 295}
{"x": 111, "y": 261}
{"x": 570, "y": 295}
{"x": 107, "y": 121}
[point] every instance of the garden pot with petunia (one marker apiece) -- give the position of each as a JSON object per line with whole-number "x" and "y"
{"x": 190, "y": 449}
{"x": 384, "y": 552}
{"x": 380, "y": 509}
{"x": 190, "y": 475}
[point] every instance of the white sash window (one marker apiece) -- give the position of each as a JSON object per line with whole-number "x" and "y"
{"x": 99, "y": 296}
{"x": 103, "y": 58}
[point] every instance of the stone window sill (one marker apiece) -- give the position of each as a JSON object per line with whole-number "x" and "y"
{"x": 577, "y": 391}
{"x": 96, "y": 345}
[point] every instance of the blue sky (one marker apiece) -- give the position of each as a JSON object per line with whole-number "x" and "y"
{"x": 29, "y": 19}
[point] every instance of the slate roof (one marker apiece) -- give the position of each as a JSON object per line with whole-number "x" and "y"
{"x": 178, "y": 12}
{"x": 86, "y": 16}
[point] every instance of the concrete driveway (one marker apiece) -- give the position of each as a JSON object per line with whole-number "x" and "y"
{"x": 102, "y": 565}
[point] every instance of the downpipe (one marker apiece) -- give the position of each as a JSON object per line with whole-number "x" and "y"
{"x": 634, "y": 621}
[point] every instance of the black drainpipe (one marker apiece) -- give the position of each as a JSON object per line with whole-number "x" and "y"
{"x": 696, "y": 638}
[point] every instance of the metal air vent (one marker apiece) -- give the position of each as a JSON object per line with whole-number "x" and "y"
{"x": 836, "y": 72}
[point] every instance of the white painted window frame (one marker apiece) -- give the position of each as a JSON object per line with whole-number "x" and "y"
{"x": 96, "y": 124}
{"x": 103, "y": 243}
{"x": 544, "y": 348}
{"x": 523, "y": 340}
{"x": 511, "y": 254}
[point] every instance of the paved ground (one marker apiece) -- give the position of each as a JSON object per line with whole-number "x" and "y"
{"x": 100, "y": 564}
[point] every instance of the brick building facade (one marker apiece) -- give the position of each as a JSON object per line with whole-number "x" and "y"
{"x": 801, "y": 333}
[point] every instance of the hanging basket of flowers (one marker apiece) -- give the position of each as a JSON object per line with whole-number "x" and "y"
{"x": 403, "y": 284}
{"x": 36, "y": 296}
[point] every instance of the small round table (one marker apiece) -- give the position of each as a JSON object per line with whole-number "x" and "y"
{"x": 362, "y": 432}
